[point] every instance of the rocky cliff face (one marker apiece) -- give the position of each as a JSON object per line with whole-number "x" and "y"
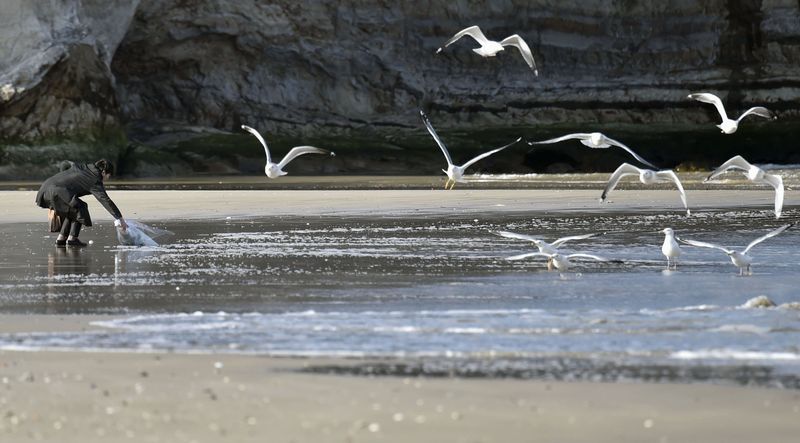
{"x": 316, "y": 70}
{"x": 57, "y": 91}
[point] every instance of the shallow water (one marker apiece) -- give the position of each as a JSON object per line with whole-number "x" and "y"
{"x": 438, "y": 289}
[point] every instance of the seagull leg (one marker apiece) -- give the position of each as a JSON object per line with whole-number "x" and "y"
{"x": 453, "y": 185}
{"x": 549, "y": 264}
{"x": 446, "y": 183}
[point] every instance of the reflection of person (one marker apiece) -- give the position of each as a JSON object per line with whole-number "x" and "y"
{"x": 61, "y": 191}
{"x": 66, "y": 262}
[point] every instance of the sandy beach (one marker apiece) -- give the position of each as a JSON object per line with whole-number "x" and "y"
{"x": 219, "y": 204}
{"x": 86, "y": 397}
{"x": 69, "y": 396}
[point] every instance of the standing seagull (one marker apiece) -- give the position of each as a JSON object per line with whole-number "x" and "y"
{"x": 670, "y": 248}
{"x": 455, "y": 174}
{"x": 490, "y": 48}
{"x": 729, "y": 126}
{"x": 275, "y": 170}
{"x": 544, "y": 247}
{"x": 740, "y": 259}
{"x": 647, "y": 177}
{"x": 595, "y": 140}
{"x": 754, "y": 174}
{"x": 561, "y": 262}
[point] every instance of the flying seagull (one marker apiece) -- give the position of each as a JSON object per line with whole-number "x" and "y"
{"x": 754, "y": 174}
{"x": 740, "y": 259}
{"x": 490, "y": 48}
{"x": 729, "y": 126}
{"x": 595, "y": 140}
{"x": 647, "y": 177}
{"x": 544, "y": 247}
{"x": 275, "y": 170}
{"x": 455, "y": 174}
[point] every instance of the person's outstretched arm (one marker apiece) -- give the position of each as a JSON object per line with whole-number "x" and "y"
{"x": 99, "y": 192}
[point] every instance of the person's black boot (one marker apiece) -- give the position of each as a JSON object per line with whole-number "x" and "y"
{"x": 76, "y": 243}
{"x": 61, "y": 243}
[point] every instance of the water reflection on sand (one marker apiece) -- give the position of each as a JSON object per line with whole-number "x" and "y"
{"x": 434, "y": 287}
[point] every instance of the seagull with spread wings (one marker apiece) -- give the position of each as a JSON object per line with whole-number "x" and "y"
{"x": 545, "y": 247}
{"x": 594, "y": 140}
{"x": 729, "y": 126}
{"x": 275, "y": 170}
{"x": 490, "y": 48}
{"x": 455, "y": 173}
{"x": 740, "y": 259}
{"x": 754, "y": 174}
{"x": 561, "y": 262}
{"x": 646, "y": 176}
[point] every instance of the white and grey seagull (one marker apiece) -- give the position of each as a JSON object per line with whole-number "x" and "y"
{"x": 646, "y": 176}
{"x": 729, "y": 126}
{"x": 670, "y": 248}
{"x": 544, "y": 247}
{"x": 595, "y": 140}
{"x": 754, "y": 174}
{"x": 455, "y": 174}
{"x": 275, "y": 170}
{"x": 740, "y": 259}
{"x": 561, "y": 262}
{"x": 490, "y": 48}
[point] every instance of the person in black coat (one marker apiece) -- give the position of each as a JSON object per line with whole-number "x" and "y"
{"x": 61, "y": 193}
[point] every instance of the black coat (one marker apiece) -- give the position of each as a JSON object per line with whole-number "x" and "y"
{"x": 61, "y": 191}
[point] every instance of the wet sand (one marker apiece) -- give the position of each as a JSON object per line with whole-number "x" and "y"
{"x": 84, "y": 397}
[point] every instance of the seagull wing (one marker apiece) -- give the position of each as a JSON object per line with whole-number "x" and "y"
{"x": 623, "y": 170}
{"x": 514, "y": 235}
{"x": 759, "y": 111}
{"x": 539, "y": 243}
{"x": 769, "y": 235}
{"x": 436, "y": 137}
{"x": 486, "y": 154}
{"x": 705, "y": 97}
{"x": 261, "y": 139}
{"x": 578, "y": 135}
{"x": 777, "y": 182}
{"x": 737, "y": 162}
{"x": 473, "y": 31}
{"x": 671, "y": 175}
{"x": 516, "y": 40}
{"x": 589, "y": 256}
{"x": 613, "y": 142}
{"x": 529, "y": 254}
{"x": 563, "y": 240}
{"x": 300, "y": 150}
{"x": 701, "y": 244}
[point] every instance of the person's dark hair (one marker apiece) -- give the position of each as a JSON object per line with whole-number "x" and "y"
{"x": 105, "y": 166}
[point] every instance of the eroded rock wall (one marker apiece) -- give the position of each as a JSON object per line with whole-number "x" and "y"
{"x": 353, "y": 63}
{"x": 69, "y": 68}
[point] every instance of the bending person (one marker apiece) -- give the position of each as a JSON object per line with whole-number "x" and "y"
{"x": 61, "y": 193}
